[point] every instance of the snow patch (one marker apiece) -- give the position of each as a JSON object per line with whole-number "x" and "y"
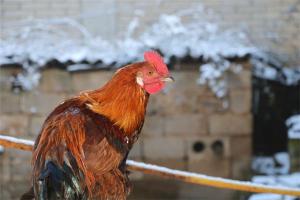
{"x": 293, "y": 124}
{"x": 286, "y": 76}
{"x": 278, "y": 164}
{"x": 289, "y": 180}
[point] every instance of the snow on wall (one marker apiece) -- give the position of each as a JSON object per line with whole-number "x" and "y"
{"x": 275, "y": 72}
{"x": 193, "y": 32}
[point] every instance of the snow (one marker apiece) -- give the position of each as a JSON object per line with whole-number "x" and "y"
{"x": 78, "y": 67}
{"x": 290, "y": 180}
{"x": 16, "y": 140}
{"x": 286, "y": 76}
{"x": 270, "y": 197}
{"x": 193, "y": 32}
{"x": 36, "y": 42}
{"x": 278, "y": 164}
{"x": 265, "y": 197}
{"x": 276, "y": 169}
{"x": 293, "y": 124}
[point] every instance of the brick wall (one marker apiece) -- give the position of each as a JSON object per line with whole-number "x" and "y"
{"x": 184, "y": 118}
{"x": 273, "y": 24}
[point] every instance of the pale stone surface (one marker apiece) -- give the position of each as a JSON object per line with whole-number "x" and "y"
{"x": 55, "y": 80}
{"x": 241, "y": 80}
{"x": 186, "y": 124}
{"x": 212, "y": 167}
{"x": 9, "y": 103}
{"x": 164, "y": 148}
{"x": 35, "y": 124}
{"x": 230, "y": 124}
{"x": 41, "y": 102}
{"x": 15, "y": 125}
{"x": 90, "y": 80}
{"x": 170, "y": 163}
{"x": 240, "y": 168}
{"x": 154, "y": 126}
{"x": 240, "y": 101}
{"x": 240, "y": 146}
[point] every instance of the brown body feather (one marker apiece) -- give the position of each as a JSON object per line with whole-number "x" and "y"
{"x": 96, "y": 129}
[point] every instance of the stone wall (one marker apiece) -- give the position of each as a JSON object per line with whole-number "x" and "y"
{"x": 272, "y": 24}
{"x": 186, "y": 126}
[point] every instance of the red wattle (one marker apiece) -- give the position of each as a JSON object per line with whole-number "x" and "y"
{"x": 154, "y": 87}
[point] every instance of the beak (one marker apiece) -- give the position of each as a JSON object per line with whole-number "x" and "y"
{"x": 168, "y": 79}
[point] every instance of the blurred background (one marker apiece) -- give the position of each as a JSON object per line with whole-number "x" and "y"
{"x": 233, "y": 112}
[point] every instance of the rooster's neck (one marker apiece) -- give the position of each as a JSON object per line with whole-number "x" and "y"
{"x": 123, "y": 102}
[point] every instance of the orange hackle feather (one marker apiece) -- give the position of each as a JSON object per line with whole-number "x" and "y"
{"x": 121, "y": 99}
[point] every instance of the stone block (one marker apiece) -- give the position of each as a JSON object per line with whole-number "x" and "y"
{"x": 41, "y": 102}
{"x": 90, "y": 80}
{"x": 9, "y": 102}
{"x": 55, "y": 80}
{"x": 186, "y": 124}
{"x": 154, "y": 126}
{"x": 241, "y": 146}
{"x": 240, "y": 80}
{"x": 35, "y": 124}
{"x": 241, "y": 168}
{"x": 230, "y": 124}
{"x": 213, "y": 167}
{"x": 6, "y": 167}
{"x": 15, "y": 125}
{"x": 164, "y": 148}
{"x": 21, "y": 166}
{"x": 240, "y": 101}
{"x": 210, "y": 104}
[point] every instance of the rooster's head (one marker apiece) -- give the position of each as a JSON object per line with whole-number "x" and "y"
{"x": 153, "y": 75}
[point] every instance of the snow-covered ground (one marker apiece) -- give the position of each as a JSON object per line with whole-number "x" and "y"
{"x": 288, "y": 180}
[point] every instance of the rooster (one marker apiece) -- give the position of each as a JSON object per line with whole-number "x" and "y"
{"x": 83, "y": 145}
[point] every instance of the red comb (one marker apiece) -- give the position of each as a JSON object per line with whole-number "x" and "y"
{"x": 154, "y": 58}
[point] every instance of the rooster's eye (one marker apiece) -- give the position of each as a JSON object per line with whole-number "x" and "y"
{"x": 150, "y": 72}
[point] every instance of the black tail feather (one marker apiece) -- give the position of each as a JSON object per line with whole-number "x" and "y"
{"x": 57, "y": 182}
